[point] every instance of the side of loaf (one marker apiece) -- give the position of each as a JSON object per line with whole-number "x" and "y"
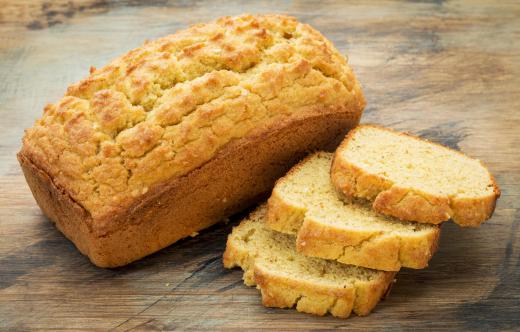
{"x": 288, "y": 279}
{"x": 184, "y": 131}
{"x": 413, "y": 179}
{"x": 304, "y": 202}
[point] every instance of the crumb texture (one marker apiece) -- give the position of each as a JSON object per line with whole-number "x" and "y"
{"x": 413, "y": 179}
{"x": 304, "y": 202}
{"x": 165, "y": 108}
{"x": 287, "y": 278}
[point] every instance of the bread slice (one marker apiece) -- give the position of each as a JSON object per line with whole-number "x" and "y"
{"x": 288, "y": 279}
{"x": 305, "y": 203}
{"x": 413, "y": 179}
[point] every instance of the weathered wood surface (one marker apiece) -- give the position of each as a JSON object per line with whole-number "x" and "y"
{"x": 449, "y": 71}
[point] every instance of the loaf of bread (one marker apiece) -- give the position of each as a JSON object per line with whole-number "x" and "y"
{"x": 289, "y": 279}
{"x": 304, "y": 202}
{"x": 413, "y": 179}
{"x": 180, "y": 133}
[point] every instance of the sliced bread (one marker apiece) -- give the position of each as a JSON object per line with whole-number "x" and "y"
{"x": 413, "y": 179}
{"x": 305, "y": 203}
{"x": 288, "y": 279}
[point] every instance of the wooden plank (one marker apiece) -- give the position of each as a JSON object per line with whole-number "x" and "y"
{"x": 448, "y": 71}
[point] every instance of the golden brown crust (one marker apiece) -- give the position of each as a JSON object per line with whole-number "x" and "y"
{"x": 368, "y": 294}
{"x": 409, "y": 204}
{"x": 235, "y": 178}
{"x": 472, "y": 212}
{"x": 371, "y": 248}
{"x": 283, "y": 216}
{"x": 283, "y": 291}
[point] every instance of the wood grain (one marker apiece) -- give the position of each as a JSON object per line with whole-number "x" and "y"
{"x": 446, "y": 70}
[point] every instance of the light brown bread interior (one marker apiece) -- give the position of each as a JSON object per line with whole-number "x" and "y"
{"x": 304, "y": 202}
{"x": 287, "y": 278}
{"x": 413, "y": 179}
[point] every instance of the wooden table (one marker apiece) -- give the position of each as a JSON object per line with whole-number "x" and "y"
{"x": 448, "y": 71}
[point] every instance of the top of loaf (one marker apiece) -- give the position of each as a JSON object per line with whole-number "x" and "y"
{"x": 167, "y": 107}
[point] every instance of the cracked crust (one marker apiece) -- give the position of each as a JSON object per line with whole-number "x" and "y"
{"x": 391, "y": 196}
{"x": 384, "y": 244}
{"x": 358, "y": 290}
{"x": 162, "y": 142}
{"x": 373, "y": 249}
{"x": 166, "y": 108}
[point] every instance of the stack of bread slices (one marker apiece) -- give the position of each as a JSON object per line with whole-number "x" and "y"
{"x": 338, "y": 226}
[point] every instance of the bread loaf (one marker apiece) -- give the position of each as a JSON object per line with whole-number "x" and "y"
{"x": 413, "y": 179}
{"x": 289, "y": 279}
{"x": 179, "y": 133}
